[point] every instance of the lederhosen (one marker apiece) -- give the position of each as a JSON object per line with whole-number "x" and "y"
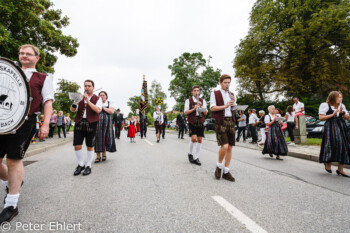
{"x": 157, "y": 125}
{"x": 85, "y": 128}
{"x": 224, "y": 126}
{"x": 195, "y": 123}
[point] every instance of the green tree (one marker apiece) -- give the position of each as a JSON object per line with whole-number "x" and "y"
{"x": 191, "y": 69}
{"x": 154, "y": 92}
{"x": 133, "y": 103}
{"x": 34, "y": 22}
{"x": 296, "y": 47}
{"x": 62, "y": 101}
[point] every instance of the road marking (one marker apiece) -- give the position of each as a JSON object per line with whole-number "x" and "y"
{"x": 149, "y": 142}
{"x": 242, "y": 218}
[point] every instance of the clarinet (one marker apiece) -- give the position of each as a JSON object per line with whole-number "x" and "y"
{"x": 230, "y": 97}
{"x": 197, "y": 110}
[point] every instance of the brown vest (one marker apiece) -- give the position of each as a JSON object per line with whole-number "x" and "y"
{"x": 91, "y": 115}
{"x": 192, "y": 117}
{"x": 36, "y": 84}
{"x": 219, "y": 115}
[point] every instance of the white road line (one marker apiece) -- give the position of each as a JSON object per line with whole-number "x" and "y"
{"x": 242, "y": 218}
{"x": 149, "y": 142}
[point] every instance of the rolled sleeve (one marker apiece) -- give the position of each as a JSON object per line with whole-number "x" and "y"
{"x": 99, "y": 103}
{"x": 212, "y": 100}
{"x": 47, "y": 92}
{"x": 187, "y": 105}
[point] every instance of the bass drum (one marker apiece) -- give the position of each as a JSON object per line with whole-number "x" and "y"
{"x": 14, "y": 96}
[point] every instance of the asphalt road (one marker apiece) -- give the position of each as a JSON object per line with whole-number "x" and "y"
{"x": 151, "y": 187}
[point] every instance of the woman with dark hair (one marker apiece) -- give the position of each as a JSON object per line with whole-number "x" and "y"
{"x": 104, "y": 134}
{"x": 292, "y": 122}
{"x": 335, "y": 141}
{"x": 275, "y": 143}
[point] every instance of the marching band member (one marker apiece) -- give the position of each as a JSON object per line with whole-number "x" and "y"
{"x": 335, "y": 141}
{"x": 158, "y": 122}
{"x": 275, "y": 143}
{"x": 15, "y": 145}
{"x": 221, "y": 102}
{"x": 195, "y": 121}
{"x": 85, "y": 126}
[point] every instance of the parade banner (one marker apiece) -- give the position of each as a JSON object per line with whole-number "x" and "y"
{"x": 144, "y": 96}
{"x": 14, "y": 96}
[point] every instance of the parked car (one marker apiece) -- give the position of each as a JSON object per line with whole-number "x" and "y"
{"x": 209, "y": 124}
{"x": 172, "y": 124}
{"x": 315, "y": 130}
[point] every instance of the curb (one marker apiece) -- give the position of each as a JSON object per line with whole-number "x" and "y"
{"x": 46, "y": 148}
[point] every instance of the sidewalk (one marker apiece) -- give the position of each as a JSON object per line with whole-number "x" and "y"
{"x": 308, "y": 152}
{"x": 49, "y": 143}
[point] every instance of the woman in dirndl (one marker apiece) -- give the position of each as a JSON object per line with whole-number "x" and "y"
{"x": 132, "y": 130}
{"x": 335, "y": 141}
{"x": 275, "y": 143}
{"x": 104, "y": 134}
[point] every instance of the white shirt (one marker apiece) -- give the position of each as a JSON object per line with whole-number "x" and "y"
{"x": 297, "y": 107}
{"x": 187, "y": 104}
{"x": 158, "y": 116}
{"x": 226, "y": 97}
{"x": 268, "y": 118}
{"x": 324, "y": 107}
{"x": 98, "y": 104}
{"x": 253, "y": 118}
{"x": 47, "y": 91}
{"x": 291, "y": 117}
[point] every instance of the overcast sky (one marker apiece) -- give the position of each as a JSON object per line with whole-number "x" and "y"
{"x": 122, "y": 40}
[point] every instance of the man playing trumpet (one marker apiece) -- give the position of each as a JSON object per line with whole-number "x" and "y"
{"x": 195, "y": 110}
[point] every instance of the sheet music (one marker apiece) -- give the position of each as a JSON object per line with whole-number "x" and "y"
{"x": 239, "y": 107}
{"x": 76, "y": 97}
{"x": 280, "y": 119}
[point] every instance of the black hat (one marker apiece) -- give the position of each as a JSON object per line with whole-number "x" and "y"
{"x": 118, "y": 110}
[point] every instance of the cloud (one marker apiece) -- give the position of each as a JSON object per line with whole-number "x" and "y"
{"x": 122, "y": 40}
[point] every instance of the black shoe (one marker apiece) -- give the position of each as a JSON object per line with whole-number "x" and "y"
{"x": 163, "y": 137}
{"x": 325, "y": 167}
{"x": 157, "y": 140}
{"x": 339, "y": 173}
{"x": 87, "y": 171}
{"x": 78, "y": 170}
{"x": 8, "y": 214}
{"x": 197, "y": 162}
{"x": 182, "y": 138}
{"x": 190, "y": 158}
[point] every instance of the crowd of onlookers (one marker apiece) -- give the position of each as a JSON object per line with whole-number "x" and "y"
{"x": 59, "y": 120}
{"x": 254, "y": 123}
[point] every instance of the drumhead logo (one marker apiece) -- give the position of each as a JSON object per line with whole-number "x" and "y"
{"x": 14, "y": 95}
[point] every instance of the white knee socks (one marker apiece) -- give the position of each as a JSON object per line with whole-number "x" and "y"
{"x": 80, "y": 157}
{"x": 191, "y": 147}
{"x": 11, "y": 200}
{"x": 198, "y": 149}
{"x": 89, "y": 158}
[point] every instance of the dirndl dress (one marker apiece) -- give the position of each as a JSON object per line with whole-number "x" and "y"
{"x": 105, "y": 134}
{"x": 275, "y": 142}
{"x": 335, "y": 141}
{"x": 132, "y": 129}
